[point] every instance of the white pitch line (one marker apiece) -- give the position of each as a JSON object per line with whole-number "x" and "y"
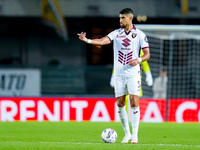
{"x": 120, "y": 143}
{"x": 171, "y": 145}
{"x": 175, "y": 145}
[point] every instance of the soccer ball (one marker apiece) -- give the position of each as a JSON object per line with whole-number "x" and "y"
{"x": 109, "y": 136}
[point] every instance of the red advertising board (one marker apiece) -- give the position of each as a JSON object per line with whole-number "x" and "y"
{"x": 95, "y": 109}
{"x": 57, "y": 109}
{"x": 74, "y": 109}
{"x": 184, "y": 110}
{"x": 152, "y": 110}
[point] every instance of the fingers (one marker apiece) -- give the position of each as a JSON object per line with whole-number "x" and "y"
{"x": 82, "y": 33}
{"x": 82, "y": 36}
{"x": 133, "y": 62}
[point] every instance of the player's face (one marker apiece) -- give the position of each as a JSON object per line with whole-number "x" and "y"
{"x": 124, "y": 20}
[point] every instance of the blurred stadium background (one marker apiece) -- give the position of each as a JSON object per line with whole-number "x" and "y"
{"x": 41, "y": 55}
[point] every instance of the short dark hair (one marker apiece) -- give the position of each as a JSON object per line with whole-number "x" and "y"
{"x": 126, "y": 11}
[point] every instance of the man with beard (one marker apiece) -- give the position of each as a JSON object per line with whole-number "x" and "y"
{"x": 128, "y": 40}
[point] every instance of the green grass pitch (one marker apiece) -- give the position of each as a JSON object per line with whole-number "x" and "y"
{"x": 87, "y": 136}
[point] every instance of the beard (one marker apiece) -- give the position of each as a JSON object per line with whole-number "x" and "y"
{"x": 123, "y": 26}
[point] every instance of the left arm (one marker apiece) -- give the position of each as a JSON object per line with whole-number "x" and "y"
{"x": 146, "y": 55}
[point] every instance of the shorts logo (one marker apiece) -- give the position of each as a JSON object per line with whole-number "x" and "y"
{"x": 135, "y": 112}
{"x": 139, "y": 85}
{"x": 126, "y": 42}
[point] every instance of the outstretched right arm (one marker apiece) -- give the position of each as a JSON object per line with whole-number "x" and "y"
{"x": 102, "y": 41}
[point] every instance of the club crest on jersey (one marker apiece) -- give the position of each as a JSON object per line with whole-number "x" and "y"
{"x": 134, "y": 35}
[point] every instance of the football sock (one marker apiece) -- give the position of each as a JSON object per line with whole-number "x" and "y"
{"x": 124, "y": 119}
{"x": 135, "y": 120}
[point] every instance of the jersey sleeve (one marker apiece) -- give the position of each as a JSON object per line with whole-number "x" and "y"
{"x": 143, "y": 40}
{"x": 111, "y": 35}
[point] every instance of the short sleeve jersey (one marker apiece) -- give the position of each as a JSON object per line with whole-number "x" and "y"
{"x": 126, "y": 46}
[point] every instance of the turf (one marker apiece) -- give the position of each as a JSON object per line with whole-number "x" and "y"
{"x": 86, "y": 135}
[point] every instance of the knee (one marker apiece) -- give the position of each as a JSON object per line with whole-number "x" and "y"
{"x": 121, "y": 101}
{"x": 120, "y": 104}
{"x": 134, "y": 100}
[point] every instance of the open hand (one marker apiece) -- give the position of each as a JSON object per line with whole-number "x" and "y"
{"x": 82, "y": 36}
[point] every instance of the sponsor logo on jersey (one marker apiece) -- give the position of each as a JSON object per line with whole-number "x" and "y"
{"x": 120, "y": 36}
{"x": 126, "y": 42}
{"x": 125, "y": 48}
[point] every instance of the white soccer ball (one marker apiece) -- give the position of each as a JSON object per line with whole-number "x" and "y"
{"x": 109, "y": 136}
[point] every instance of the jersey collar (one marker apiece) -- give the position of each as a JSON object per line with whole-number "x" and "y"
{"x": 134, "y": 27}
{"x": 127, "y": 32}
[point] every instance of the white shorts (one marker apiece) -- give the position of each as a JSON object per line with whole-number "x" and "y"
{"x": 127, "y": 85}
